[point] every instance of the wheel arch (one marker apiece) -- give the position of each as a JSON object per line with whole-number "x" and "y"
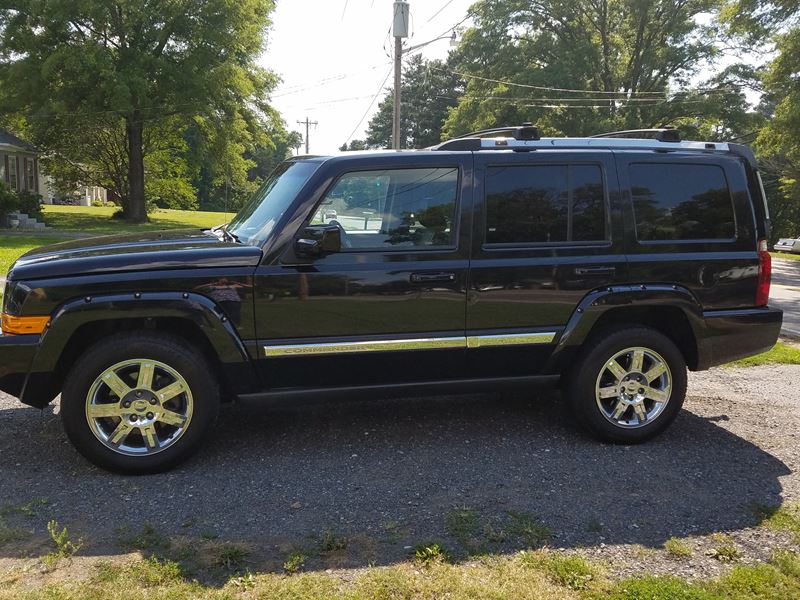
{"x": 78, "y": 324}
{"x": 669, "y": 309}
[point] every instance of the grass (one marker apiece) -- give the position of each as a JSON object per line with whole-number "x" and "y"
{"x": 725, "y": 549}
{"x": 65, "y": 547}
{"x": 678, "y": 548}
{"x": 530, "y": 575}
{"x": 97, "y": 219}
{"x": 781, "y": 354}
{"x": 780, "y": 518}
{"x": 14, "y": 246}
{"x": 785, "y": 255}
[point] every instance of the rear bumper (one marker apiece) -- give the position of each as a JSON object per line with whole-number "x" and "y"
{"x": 733, "y": 334}
{"x": 16, "y": 356}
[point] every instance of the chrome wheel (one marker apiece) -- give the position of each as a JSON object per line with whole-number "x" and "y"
{"x": 633, "y": 387}
{"x": 139, "y": 406}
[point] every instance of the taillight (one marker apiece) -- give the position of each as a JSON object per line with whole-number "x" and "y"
{"x": 764, "y": 274}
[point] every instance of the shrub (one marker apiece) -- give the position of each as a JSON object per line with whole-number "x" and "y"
{"x": 8, "y": 202}
{"x": 29, "y": 203}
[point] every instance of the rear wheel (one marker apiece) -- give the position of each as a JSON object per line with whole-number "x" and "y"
{"x": 139, "y": 402}
{"x": 628, "y": 385}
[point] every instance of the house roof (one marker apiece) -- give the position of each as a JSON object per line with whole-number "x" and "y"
{"x": 8, "y": 138}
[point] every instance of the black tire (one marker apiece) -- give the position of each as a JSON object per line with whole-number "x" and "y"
{"x": 580, "y": 394}
{"x": 167, "y": 349}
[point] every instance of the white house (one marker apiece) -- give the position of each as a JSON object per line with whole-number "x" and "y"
{"x": 19, "y": 170}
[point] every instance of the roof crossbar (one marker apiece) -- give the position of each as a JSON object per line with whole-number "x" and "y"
{"x": 526, "y": 131}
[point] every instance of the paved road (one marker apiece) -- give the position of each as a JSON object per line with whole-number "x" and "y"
{"x": 785, "y": 294}
{"x": 387, "y": 473}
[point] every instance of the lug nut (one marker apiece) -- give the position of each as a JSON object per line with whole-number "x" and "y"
{"x": 139, "y": 394}
{"x": 150, "y": 415}
{"x": 134, "y": 418}
{"x": 641, "y": 390}
{"x": 126, "y": 404}
{"x": 153, "y": 401}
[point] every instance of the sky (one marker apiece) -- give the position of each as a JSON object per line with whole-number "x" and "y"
{"x": 334, "y": 57}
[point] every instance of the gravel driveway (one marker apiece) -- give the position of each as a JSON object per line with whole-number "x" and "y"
{"x": 390, "y": 472}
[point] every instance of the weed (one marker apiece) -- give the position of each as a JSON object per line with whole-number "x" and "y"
{"x": 146, "y": 539}
{"x": 330, "y": 541}
{"x": 462, "y": 523}
{"x": 294, "y": 562}
{"x": 231, "y": 556}
{"x": 208, "y": 536}
{"x": 65, "y": 547}
{"x": 152, "y": 572}
{"x": 678, "y": 548}
{"x": 574, "y": 572}
{"x": 725, "y": 550}
{"x": 29, "y": 509}
{"x": 430, "y": 553}
{"x": 528, "y": 529}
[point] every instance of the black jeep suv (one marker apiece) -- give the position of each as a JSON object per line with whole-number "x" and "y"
{"x": 605, "y": 265}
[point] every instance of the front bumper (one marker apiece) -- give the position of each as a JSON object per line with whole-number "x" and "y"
{"x": 16, "y": 356}
{"x": 733, "y": 334}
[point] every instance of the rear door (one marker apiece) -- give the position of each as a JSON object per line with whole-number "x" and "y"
{"x": 547, "y": 232}
{"x": 389, "y": 308}
{"x": 691, "y": 224}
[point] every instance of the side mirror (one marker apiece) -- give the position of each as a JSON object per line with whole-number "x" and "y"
{"x": 316, "y": 240}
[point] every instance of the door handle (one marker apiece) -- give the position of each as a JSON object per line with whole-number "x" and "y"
{"x": 595, "y": 270}
{"x": 432, "y": 277}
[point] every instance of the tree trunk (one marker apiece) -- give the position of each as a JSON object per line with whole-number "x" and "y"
{"x": 134, "y": 210}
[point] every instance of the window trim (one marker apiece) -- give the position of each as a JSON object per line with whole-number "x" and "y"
{"x": 729, "y": 240}
{"x": 494, "y": 246}
{"x": 407, "y": 249}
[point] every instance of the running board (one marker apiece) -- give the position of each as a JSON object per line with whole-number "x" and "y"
{"x": 417, "y": 388}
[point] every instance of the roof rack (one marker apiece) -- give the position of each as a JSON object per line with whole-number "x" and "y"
{"x": 526, "y": 131}
{"x": 526, "y": 138}
{"x": 662, "y": 134}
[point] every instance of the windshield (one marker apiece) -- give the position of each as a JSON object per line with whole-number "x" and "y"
{"x": 262, "y": 212}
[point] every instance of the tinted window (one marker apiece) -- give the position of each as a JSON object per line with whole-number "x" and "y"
{"x": 393, "y": 208}
{"x": 681, "y": 202}
{"x": 544, "y": 203}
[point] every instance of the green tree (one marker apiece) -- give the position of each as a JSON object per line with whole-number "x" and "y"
{"x": 429, "y": 89}
{"x": 587, "y": 66}
{"x": 141, "y": 61}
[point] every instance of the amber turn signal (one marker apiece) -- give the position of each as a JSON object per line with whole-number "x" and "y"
{"x": 12, "y": 325}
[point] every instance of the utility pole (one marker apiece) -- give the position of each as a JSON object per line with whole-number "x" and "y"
{"x": 307, "y": 123}
{"x": 400, "y": 29}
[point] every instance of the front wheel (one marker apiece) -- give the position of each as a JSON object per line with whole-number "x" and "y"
{"x": 628, "y": 386}
{"x": 139, "y": 402}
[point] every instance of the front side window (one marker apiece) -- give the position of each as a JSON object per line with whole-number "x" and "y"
{"x": 393, "y": 208}
{"x": 543, "y": 204}
{"x": 674, "y": 201}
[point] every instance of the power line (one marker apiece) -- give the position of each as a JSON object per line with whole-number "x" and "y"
{"x": 436, "y": 14}
{"x": 372, "y": 102}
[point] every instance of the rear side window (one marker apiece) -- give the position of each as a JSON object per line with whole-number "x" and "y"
{"x": 545, "y": 204}
{"x": 681, "y": 202}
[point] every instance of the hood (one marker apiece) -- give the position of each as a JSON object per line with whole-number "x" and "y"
{"x": 152, "y": 250}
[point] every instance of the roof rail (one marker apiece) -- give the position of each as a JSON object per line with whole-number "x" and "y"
{"x": 662, "y": 134}
{"x": 526, "y": 131}
{"x": 508, "y": 143}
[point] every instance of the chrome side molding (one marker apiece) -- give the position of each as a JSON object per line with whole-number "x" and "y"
{"x": 428, "y": 343}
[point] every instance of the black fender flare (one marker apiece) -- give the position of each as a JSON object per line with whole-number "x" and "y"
{"x": 598, "y": 302}
{"x": 40, "y": 387}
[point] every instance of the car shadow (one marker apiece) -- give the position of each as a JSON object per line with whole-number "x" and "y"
{"x": 389, "y": 474}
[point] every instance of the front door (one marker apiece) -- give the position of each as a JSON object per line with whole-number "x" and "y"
{"x": 390, "y": 306}
{"x": 549, "y": 231}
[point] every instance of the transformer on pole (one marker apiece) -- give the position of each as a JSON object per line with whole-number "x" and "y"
{"x": 402, "y": 13}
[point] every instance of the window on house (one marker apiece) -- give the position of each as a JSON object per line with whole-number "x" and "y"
{"x": 30, "y": 175}
{"x": 3, "y": 166}
{"x": 535, "y": 204}
{"x": 681, "y": 202}
{"x": 12, "y": 173}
